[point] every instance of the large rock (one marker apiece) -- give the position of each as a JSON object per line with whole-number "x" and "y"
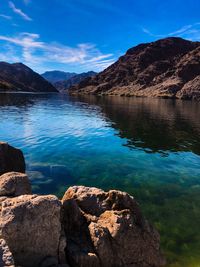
{"x": 31, "y": 226}
{"x": 14, "y": 184}
{"x": 11, "y": 159}
{"x": 6, "y": 258}
{"x": 107, "y": 229}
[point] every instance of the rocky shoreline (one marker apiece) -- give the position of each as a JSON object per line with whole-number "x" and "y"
{"x": 87, "y": 228}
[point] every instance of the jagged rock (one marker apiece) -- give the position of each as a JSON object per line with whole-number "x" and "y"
{"x": 6, "y": 258}
{"x": 165, "y": 68}
{"x": 14, "y": 184}
{"x": 107, "y": 229}
{"x": 31, "y": 226}
{"x": 11, "y": 159}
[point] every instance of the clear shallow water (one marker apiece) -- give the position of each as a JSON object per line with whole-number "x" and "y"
{"x": 148, "y": 147}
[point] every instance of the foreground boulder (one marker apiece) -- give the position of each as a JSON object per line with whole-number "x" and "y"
{"x": 31, "y": 226}
{"x": 107, "y": 229}
{"x": 14, "y": 184}
{"x": 11, "y": 159}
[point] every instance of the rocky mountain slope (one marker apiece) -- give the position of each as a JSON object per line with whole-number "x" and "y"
{"x": 88, "y": 227}
{"x": 167, "y": 68}
{"x": 67, "y": 83}
{"x": 19, "y": 77}
{"x": 56, "y": 75}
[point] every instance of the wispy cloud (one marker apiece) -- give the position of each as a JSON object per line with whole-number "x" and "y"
{"x": 35, "y": 52}
{"x": 181, "y": 30}
{"x": 26, "y": 2}
{"x": 19, "y": 11}
{"x": 145, "y": 30}
{"x": 191, "y": 32}
{"x": 5, "y": 17}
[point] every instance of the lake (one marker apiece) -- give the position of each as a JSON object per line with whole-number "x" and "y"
{"x": 147, "y": 147}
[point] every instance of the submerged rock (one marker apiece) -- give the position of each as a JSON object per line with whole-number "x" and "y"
{"x": 14, "y": 184}
{"x": 11, "y": 159}
{"x": 107, "y": 229}
{"x": 31, "y": 226}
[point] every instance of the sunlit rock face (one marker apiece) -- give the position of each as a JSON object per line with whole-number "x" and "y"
{"x": 107, "y": 229}
{"x": 30, "y": 224}
{"x": 166, "y": 68}
{"x": 14, "y": 184}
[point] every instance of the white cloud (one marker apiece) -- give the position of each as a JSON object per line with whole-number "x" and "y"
{"x": 8, "y": 52}
{"x": 19, "y": 11}
{"x": 191, "y": 32}
{"x": 35, "y": 53}
{"x": 5, "y": 17}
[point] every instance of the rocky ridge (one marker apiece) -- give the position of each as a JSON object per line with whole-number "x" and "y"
{"x": 168, "y": 68}
{"x": 87, "y": 228}
{"x": 19, "y": 77}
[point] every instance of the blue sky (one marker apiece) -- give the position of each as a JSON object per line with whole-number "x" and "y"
{"x": 83, "y": 35}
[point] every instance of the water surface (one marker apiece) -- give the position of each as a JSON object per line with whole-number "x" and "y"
{"x": 147, "y": 147}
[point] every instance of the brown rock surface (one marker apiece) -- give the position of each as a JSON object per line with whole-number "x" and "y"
{"x": 107, "y": 229}
{"x": 6, "y": 258}
{"x": 31, "y": 226}
{"x": 166, "y": 68}
{"x": 14, "y": 184}
{"x": 11, "y": 159}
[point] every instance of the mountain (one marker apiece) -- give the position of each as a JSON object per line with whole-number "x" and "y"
{"x": 56, "y": 75}
{"x": 167, "y": 68}
{"x": 19, "y": 77}
{"x": 64, "y": 85}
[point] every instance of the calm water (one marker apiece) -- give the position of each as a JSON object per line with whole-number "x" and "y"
{"x": 148, "y": 147}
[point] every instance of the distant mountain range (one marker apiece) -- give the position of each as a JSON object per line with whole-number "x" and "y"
{"x": 168, "y": 68}
{"x": 56, "y": 76}
{"x": 64, "y": 80}
{"x": 19, "y": 77}
{"x": 66, "y": 84}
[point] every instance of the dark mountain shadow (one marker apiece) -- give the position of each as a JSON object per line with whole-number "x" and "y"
{"x": 154, "y": 125}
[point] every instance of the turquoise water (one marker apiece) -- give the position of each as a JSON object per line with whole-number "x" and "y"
{"x": 148, "y": 147}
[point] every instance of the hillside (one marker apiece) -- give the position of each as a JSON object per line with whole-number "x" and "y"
{"x": 167, "y": 68}
{"x": 19, "y": 77}
{"x": 56, "y": 76}
{"x": 66, "y": 84}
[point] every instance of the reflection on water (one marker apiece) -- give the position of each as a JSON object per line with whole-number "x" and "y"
{"x": 156, "y": 125}
{"x": 148, "y": 147}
